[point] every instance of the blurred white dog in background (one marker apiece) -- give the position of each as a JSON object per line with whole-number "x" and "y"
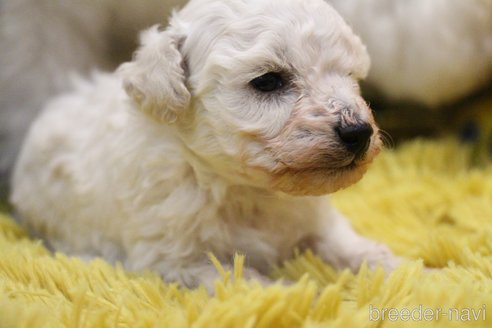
{"x": 429, "y": 51}
{"x": 235, "y": 118}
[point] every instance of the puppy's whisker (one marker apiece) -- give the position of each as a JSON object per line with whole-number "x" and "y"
{"x": 386, "y": 139}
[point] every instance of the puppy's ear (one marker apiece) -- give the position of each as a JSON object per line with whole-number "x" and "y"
{"x": 156, "y": 79}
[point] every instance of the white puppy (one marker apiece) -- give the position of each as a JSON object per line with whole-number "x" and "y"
{"x": 235, "y": 119}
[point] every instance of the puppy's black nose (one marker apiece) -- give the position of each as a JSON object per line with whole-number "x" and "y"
{"x": 356, "y": 138}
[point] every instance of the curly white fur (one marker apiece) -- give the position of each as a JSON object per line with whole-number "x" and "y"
{"x": 193, "y": 159}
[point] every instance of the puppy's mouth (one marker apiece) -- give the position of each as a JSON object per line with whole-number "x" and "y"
{"x": 336, "y": 161}
{"x": 317, "y": 181}
{"x": 328, "y": 168}
{"x": 322, "y": 177}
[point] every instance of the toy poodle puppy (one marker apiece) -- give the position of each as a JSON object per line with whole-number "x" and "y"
{"x": 221, "y": 136}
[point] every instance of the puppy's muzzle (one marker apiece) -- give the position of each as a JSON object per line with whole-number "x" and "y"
{"x": 335, "y": 136}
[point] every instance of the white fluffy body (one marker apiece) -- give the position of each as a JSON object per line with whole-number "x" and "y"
{"x": 177, "y": 154}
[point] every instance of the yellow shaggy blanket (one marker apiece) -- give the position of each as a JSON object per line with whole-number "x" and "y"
{"x": 424, "y": 200}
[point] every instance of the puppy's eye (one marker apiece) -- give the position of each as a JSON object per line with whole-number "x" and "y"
{"x": 268, "y": 82}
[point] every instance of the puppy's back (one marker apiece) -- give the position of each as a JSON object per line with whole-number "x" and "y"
{"x": 59, "y": 181}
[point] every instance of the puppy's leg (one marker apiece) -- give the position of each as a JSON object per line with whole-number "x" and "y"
{"x": 342, "y": 247}
{"x": 206, "y": 275}
{"x": 189, "y": 269}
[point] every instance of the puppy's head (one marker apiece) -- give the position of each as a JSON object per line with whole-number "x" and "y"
{"x": 263, "y": 92}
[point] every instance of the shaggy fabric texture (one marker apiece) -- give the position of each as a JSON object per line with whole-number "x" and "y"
{"x": 424, "y": 199}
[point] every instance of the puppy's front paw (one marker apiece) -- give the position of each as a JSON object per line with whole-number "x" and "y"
{"x": 208, "y": 278}
{"x": 252, "y": 274}
{"x": 375, "y": 254}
